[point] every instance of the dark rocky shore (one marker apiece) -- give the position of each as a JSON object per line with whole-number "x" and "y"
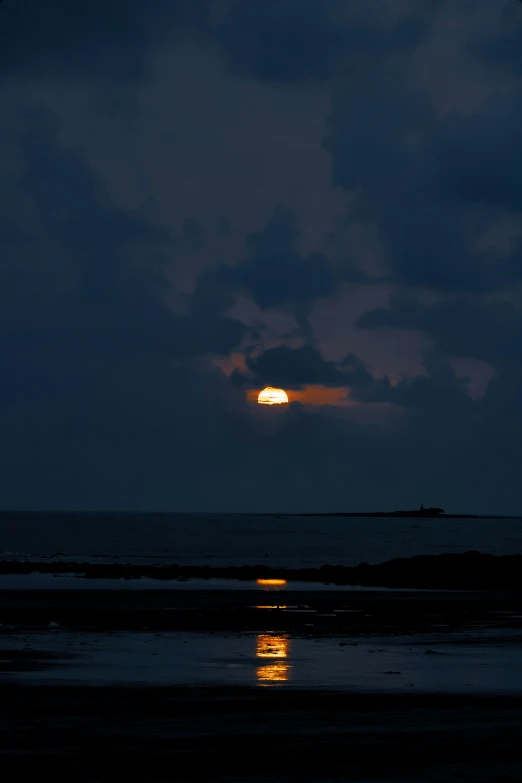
{"x": 235, "y": 611}
{"x": 239, "y": 734}
{"x": 462, "y": 571}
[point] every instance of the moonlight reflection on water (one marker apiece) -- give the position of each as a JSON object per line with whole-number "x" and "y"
{"x": 274, "y": 584}
{"x": 274, "y": 651}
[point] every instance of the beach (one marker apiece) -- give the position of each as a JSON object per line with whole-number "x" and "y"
{"x": 259, "y": 685}
{"x": 224, "y": 734}
{"x": 261, "y": 664}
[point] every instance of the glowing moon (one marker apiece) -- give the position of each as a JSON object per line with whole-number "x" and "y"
{"x": 271, "y": 396}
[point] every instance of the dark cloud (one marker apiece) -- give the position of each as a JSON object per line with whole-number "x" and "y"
{"x": 94, "y": 39}
{"x": 83, "y": 280}
{"x": 499, "y": 46}
{"x": 433, "y": 396}
{"x": 288, "y": 41}
{"x": 437, "y": 398}
{"x": 381, "y": 131}
{"x": 477, "y": 155}
{"x": 274, "y": 273}
{"x": 193, "y": 232}
{"x": 181, "y": 437}
{"x": 295, "y": 368}
{"x": 279, "y": 41}
{"x": 501, "y": 410}
{"x": 433, "y": 184}
{"x": 109, "y": 398}
{"x": 282, "y": 40}
{"x": 463, "y": 327}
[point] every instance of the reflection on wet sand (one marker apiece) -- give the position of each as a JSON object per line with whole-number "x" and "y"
{"x": 277, "y": 648}
{"x": 271, "y": 584}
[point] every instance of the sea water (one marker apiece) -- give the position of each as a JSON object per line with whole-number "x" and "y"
{"x": 241, "y": 539}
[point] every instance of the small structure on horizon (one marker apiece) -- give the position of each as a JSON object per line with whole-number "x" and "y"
{"x": 431, "y": 512}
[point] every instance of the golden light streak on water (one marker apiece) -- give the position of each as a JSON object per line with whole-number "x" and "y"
{"x": 275, "y": 648}
{"x": 272, "y": 583}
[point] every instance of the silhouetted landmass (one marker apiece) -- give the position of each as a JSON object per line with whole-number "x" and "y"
{"x": 410, "y": 513}
{"x": 438, "y": 513}
{"x": 418, "y": 513}
{"x": 462, "y": 571}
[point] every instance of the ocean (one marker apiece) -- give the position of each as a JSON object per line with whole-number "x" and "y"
{"x": 237, "y": 539}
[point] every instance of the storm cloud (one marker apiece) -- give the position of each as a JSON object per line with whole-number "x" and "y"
{"x": 132, "y": 325}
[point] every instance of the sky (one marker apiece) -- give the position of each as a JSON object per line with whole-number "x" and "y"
{"x": 199, "y": 198}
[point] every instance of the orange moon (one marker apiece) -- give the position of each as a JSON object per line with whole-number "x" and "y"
{"x": 271, "y": 396}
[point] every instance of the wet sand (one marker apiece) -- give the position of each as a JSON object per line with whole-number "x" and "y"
{"x": 364, "y": 613}
{"x": 476, "y": 661}
{"x": 305, "y": 729}
{"x": 218, "y": 734}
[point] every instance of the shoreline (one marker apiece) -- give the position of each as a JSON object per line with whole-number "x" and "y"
{"x": 451, "y": 571}
{"x": 154, "y": 730}
{"x": 367, "y": 613}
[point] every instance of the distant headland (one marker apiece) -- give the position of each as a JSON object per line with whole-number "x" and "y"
{"x": 417, "y": 513}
